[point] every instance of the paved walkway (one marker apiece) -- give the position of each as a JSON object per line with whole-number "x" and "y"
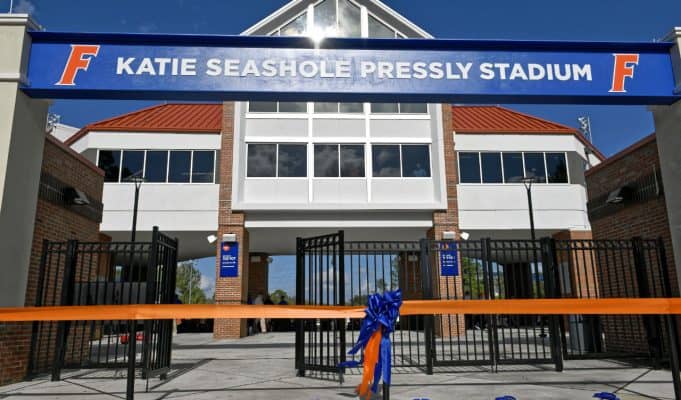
{"x": 261, "y": 367}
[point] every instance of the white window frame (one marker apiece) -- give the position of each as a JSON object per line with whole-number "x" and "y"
{"x": 503, "y": 170}
{"x": 276, "y": 162}
{"x": 399, "y": 147}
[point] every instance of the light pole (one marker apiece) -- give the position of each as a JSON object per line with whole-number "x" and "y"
{"x": 191, "y": 278}
{"x": 527, "y": 181}
{"x": 137, "y": 179}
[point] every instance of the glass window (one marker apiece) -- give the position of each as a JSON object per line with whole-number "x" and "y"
{"x": 384, "y": 108}
{"x": 386, "y": 160}
{"x": 534, "y": 167}
{"x": 203, "y": 166}
{"x": 415, "y": 160}
{"x": 556, "y": 167}
{"x": 292, "y": 160}
{"x": 491, "y": 168}
{"x": 349, "y": 19}
{"x": 352, "y": 160}
{"x": 379, "y": 30}
{"x": 262, "y": 106}
{"x": 261, "y": 160}
{"x": 513, "y": 167}
{"x": 132, "y": 165}
{"x": 325, "y": 17}
{"x": 413, "y": 108}
{"x": 110, "y": 162}
{"x": 469, "y": 167}
{"x": 326, "y": 107}
{"x": 297, "y": 27}
{"x": 292, "y": 107}
{"x": 157, "y": 166}
{"x": 351, "y": 107}
{"x": 326, "y": 160}
{"x": 180, "y": 161}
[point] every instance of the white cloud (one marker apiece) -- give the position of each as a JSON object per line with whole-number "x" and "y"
{"x": 24, "y": 7}
{"x": 207, "y": 285}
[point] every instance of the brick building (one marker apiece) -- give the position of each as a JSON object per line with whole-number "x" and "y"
{"x": 56, "y": 220}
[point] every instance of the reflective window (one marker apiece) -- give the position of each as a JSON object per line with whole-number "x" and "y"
{"x": 413, "y": 108}
{"x": 534, "y": 167}
{"x": 386, "y": 160}
{"x": 325, "y": 18}
{"x": 513, "y": 167}
{"x": 556, "y": 167}
{"x": 262, "y": 106}
{"x": 261, "y": 160}
{"x": 132, "y": 165}
{"x": 110, "y": 162}
{"x": 399, "y": 108}
{"x": 292, "y": 160}
{"x": 157, "y": 166}
{"x": 491, "y": 168}
{"x": 469, "y": 167}
{"x": 347, "y": 108}
{"x": 415, "y": 160}
{"x": 379, "y": 30}
{"x": 326, "y": 160}
{"x": 385, "y": 108}
{"x": 352, "y": 160}
{"x": 351, "y": 107}
{"x": 297, "y": 27}
{"x": 326, "y": 107}
{"x": 203, "y": 166}
{"x": 273, "y": 106}
{"x": 180, "y": 163}
{"x": 349, "y": 19}
{"x": 292, "y": 107}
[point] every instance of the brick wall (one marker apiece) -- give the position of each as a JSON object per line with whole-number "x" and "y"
{"x": 646, "y": 218}
{"x": 230, "y": 290}
{"x": 258, "y": 274}
{"x": 53, "y": 222}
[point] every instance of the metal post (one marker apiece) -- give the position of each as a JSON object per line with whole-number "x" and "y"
{"x": 386, "y": 391}
{"x": 341, "y": 293}
{"x": 671, "y": 321}
{"x": 488, "y": 273}
{"x": 651, "y": 323}
{"x": 67, "y": 287}
{"x": 549, "y": 266}
{"x": 134, "y": 211}
{"x": 428, "y": 320}
{"x": 528, "y": 187}
{"x": 300, "y": 300}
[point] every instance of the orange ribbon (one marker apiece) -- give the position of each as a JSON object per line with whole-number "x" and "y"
{"x": 613, "y": 306}
{"x": 370, "y": 361}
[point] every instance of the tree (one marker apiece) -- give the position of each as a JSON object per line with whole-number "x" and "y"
{"x": 186, "y": 273}
{"x": 280, "y": 294}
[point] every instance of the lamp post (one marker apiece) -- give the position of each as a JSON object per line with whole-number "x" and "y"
{"x": 528, "y": 181}
{"x": 137, "y": 179}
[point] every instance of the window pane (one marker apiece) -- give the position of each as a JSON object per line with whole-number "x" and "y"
{"x": 292, "y": 160}
{"x": 469, "y": 167}
{"x": 325, "y": 18}
{"x": 179, "y": 166}
{"x": 556, "y": 167}
{"x": 413, "y": 108}
{"x": 262, "y": 106}
{"x": 386, "y": 160}
{"x": 491, "y": 167}
{"x": 379, "y": 30}
{"x": 534, "y": 167}
{"x": 382, "y": 108}
{"x": 349, "y": 19}
{"x": 110, "y": 163}
{"x": 326, "y": 160}
{"x": 157, "y": 164}
{"x": 351, "y": 107}
{"x": 415, "y": 160}
{"x": 203, "y": 166}
{"x": 326, "y": 107}
{"x": 297, "y": 27}
{"x": 513, "y": 167}
{"x": 261, "y": 160}
{"x": 292, "y": 107}
{"x": 352, "y": 160}
{"x": 132, "y": 165}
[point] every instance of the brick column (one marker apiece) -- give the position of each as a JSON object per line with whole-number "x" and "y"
{"x": 258, "y": 274}
{"x": 443, "y": 221}
{"x": 230, "y": 290}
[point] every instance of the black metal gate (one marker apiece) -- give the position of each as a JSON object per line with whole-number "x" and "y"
{"x": 98, "y": 273}
{"x": 331, "y": 271}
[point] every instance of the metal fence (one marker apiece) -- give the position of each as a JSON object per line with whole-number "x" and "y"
{"x": 99, "y": 273}
{"x": 331, "y": 271}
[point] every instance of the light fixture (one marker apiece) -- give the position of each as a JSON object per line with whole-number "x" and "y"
{"x": 211, "y": 239}
{"x": 465, "y": 235}
{"x": 619, "y": 195}
{"x": 75, "y": 197}
{"x": 449, "y": 235}
{"x": 229, "y": 237}
{"x": 528, "y": 181}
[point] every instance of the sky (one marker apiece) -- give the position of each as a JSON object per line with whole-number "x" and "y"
{"x": 613, "y": 127}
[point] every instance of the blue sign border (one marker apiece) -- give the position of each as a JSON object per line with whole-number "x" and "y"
{"x": 42, "y": 61}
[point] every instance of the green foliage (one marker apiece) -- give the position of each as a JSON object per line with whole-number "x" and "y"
{"x": 186, "y": 273}
{"x": 280, "y": 294}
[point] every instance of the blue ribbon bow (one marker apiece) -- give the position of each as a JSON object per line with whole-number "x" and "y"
{"x": 381, "y": 313}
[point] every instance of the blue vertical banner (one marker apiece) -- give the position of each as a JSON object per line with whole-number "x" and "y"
{"x": 229, "y": 259}
{"x": 449, "y": 260}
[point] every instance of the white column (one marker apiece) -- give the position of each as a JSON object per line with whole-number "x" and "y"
{"x": 22, "y": 135}
{"x": 668, "y": 135}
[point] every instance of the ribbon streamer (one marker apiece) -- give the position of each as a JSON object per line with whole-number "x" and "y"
{"x": 374, "y": 338}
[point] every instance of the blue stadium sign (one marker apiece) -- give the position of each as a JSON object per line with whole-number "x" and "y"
{"x": 123, "y": 66}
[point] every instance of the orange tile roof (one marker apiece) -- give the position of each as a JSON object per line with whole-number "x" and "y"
{"x": 502, "y": 120}
{"x": 174, "y": 117}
